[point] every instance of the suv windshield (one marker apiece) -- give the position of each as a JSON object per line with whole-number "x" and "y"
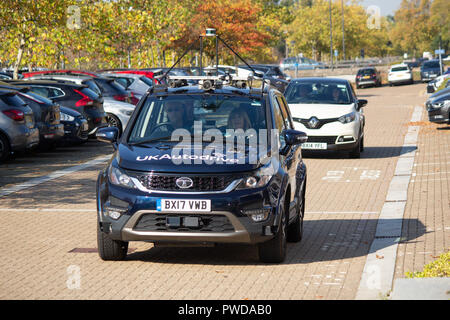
{"x": 317, "y": 92}
{"x": 431, "y": 64}
{"x": 161, "y": 116}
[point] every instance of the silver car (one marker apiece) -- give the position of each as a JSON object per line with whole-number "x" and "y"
{"x": 17, "y": 126}
{"x": 118, "y": 112}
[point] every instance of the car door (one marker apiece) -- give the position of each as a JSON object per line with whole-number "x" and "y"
{"x": 292, "y": 153}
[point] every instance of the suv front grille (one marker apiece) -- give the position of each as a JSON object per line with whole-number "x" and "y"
{"x": 200, "y": 183}
{"x": 207, "y": 223}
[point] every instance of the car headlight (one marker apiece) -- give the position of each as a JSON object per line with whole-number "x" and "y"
{"x": 66, "y": 117}
{"x": 258, "y": 179}
{"x": 347, "y": 118}
{"x": 126, "y": 112}
{"x": 119, "y": 178}
{"x": 439, "y": 104}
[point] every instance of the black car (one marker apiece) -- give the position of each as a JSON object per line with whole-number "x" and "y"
{"x": 71, "y": 95}
{"x": 272, "y": 74}
{"x": 76, "y": 128}
{"x": 210, "y": 164}
{"x": 430, "y": 70}
{"x": 438, "y": 108}
{"x": 368, "y": 77}
{"x": 46, "y": 115}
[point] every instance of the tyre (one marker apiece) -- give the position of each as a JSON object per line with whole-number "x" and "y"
{"x": 295, "y": 230}
{"x": 5, "y": 149}
{"x": 109, "y": 249}
{"x": 356, "y": 152}
{"x": 361, "y": 145}
{"x": 274, "y": 250}
{"x": 113, "y": 121}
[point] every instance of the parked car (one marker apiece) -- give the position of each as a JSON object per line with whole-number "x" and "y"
{"x": 434, "y": 84}
{"x": 400, "y": 74}
{"x": 137, "y": 84}
{"x": 71, "y": 95}
{"x": 430, "y": 70}
{"x": 108, "y": 87}
{"x": 117, "y": 112}
{"x": 269, "y": 70}
{"x": 143, "y": 194}
{"x": 46, "y": 115}
{"x": 76, "y": 127}
{"x": 368, "y": 76}
{"x": 17, "y": 127}
{"x": 438, "y": 108}
{"x": 328, "y": 110}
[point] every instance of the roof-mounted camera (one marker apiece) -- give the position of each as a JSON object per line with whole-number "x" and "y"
{"x": 210, "y": 78}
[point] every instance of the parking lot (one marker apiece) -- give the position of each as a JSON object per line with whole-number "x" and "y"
{"x": 48, "y": 223}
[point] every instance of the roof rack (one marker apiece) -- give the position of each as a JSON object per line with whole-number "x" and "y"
{"x": 211, "y": 82}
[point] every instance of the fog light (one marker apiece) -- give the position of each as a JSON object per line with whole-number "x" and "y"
{"x": 257, "y": 215}
{"x": 114, "y": 213}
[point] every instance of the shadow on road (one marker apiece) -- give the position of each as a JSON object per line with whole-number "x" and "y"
{"x": 323, "y": 240}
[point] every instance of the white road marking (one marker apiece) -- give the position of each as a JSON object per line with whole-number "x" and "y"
{"x": 54, "y": 175}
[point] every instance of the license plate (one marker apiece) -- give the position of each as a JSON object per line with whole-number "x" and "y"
{"x": 433, "y": 75}
{"x": 366, "y": 77}
{"x": 183, "y": 205}
{"x": 314, "y": 145}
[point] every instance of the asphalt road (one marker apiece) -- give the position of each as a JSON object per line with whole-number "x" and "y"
{"x": 48, "y": 227}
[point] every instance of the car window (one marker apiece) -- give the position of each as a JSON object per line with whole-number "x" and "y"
{"x": 42, "y": 91}
{"x": 395, "y": 69}
{"x": 279, "y": 122}
{"x": 365, "y": 72}
{"x": 285, "y": 112}
{"x": 161, "y": 116}
{"x": 431, "y": 64}
{"x": 12, "y": 100}
{"x": 318, "y": 92}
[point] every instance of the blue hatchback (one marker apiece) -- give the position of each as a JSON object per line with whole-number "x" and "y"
{"x": 204, "y": 165}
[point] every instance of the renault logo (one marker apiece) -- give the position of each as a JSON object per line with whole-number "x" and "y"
{"x": 313, "y": 122}
{"x": 184, "y": 182}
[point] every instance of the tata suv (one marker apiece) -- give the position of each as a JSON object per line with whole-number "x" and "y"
{"x": 204, "y": 164}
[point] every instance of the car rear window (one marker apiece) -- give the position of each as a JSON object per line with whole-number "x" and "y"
{"x": 90, "y": 93}
{"x": 93, "y": 86}
{"x": 12, "y": 100}
{"x": 399, "y": 69}
{"x": 366, "y": 72}
{"x": 431, "y": 64}
{"x": 110, "y": 87}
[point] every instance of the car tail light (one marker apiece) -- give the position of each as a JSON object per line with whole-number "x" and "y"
{"x": 120, "y": 97}
{"x": 85, "y": 101}
{"x": 134, "y": 100}
{"x": 15, "y": 114}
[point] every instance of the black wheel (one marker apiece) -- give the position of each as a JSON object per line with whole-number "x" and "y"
{"x": 5, "y": 149}
{"x": 356, "y": 152}
{"x": 361, "y": 145}
{"x": 274, "y": 250}
{"x": 109, "y": 249}
{"x": 113, "y": 121}
{"x": 295, "y": 230}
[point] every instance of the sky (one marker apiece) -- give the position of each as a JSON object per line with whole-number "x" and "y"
{"x": 386, "y": 6}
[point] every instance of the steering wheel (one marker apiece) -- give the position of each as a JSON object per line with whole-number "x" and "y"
{"x": 165, "y": 124}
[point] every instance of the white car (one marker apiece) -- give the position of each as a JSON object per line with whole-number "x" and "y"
{"x": 400, "y": 73}
{"x": 328, "y": 110}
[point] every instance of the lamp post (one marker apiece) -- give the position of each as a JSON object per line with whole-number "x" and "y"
{"x": 343, "y": 31}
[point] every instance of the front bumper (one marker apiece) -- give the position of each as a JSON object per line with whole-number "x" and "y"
{"x": 229, "y": 224}
{"x": 440, "y": 115}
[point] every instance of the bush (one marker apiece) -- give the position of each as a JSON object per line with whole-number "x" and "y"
{"x": 437, "y": 268}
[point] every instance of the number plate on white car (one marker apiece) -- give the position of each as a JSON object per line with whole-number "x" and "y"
{"x": 314, "y": 145}
{"x": 183, "y": 205}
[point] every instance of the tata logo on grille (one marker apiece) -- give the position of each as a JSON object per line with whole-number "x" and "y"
{"x": 313, "y": 122}
{"x": 184, "y": 183}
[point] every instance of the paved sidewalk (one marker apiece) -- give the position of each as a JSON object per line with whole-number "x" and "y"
{"x": 426, "y": 226}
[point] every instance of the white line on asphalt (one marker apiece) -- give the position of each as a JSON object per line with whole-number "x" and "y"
{"x": 341, "y": 212}
{"x": 378, "y": 274}
{"x": 54, "y": 175}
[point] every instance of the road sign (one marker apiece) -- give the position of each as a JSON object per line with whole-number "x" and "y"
{"x": 442, "y": 51}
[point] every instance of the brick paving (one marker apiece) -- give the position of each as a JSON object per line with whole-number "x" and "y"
{"x": 343, "y": 201}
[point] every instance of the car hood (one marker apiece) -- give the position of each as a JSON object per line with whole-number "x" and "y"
{"x": 320, "y": 111}
{"x": 161, "y": 157}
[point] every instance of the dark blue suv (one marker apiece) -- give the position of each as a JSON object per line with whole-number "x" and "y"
{"x": 205, "y": 164}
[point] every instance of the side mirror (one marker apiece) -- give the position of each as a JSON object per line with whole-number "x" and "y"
{"x": 107, "y": 134}
{"x": 362, "y": 103}
{"x": 294, "y": 137}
